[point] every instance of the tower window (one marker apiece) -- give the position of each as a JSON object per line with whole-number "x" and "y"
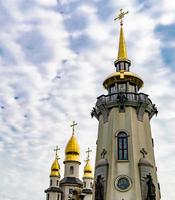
{"x": 47, "y": 196}
{"x": 57, "y": 182}
{"x": 122, "y": 141}
{"x": 84, "y": 184}
{"x": 71, "y": 170}
{"x": 51, "y": 182}
{"x": 122, "y": 87}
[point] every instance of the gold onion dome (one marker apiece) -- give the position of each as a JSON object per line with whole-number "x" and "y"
{"x": 72, "y": 150}
{"x": 88, "y": 170}
{"x": 55, "y": 168}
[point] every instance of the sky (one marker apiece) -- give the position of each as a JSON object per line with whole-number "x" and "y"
{"x": 54, "y": 56}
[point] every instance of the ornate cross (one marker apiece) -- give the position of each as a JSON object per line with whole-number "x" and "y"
{"x": 103, "y": 153}
{"x": 73, "y": 127}
{"x": 88, "y": 153}
{"x": 143, "y": 152}
{"x": 56, "y": 152}
{"x": 121, "y": 16}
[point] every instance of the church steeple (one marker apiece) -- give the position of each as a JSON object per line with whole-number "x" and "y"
{"x": 88, "y": 167}
{"x": 122, "y": 51}
{"x": 72, "y": 151}
{"x": 88, "y": 178}
{"x": 54, "y": 192}
{"x": 71, "y": 183}
{"x": 124, "y": 133}
{"x": 55, "y": 168}
{"x": 122, "y": 58}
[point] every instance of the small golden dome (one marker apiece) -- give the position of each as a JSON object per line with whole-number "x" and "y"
{"x": 72, "y": 150}
{"x": 55, "y": 168}
{"x": 88, "y": 170}
{"x": 123, "y": 76}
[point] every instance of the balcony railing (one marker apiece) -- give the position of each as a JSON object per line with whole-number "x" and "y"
{"x": 123, "y": 96}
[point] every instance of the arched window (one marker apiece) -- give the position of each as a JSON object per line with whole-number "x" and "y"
{"x": 57, "y": 182}
{"x": 71, "y": 170}
{"x": 51, "y": 182}
{"x": 122, "y": 143}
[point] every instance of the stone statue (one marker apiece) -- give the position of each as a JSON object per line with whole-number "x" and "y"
{"x": 121, "y": 99}
{"x": 151, "y": 195}
{"x": 99, "y": 188}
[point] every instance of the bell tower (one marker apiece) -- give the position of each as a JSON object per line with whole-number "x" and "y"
{"x": 125, "y": 166}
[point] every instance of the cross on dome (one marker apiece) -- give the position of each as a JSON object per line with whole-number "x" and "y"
{"x": 121, "y": 16}
{"x": 73, "y": 127}
{"x": 56, "y": 152}
{"x": 88, "y": 153}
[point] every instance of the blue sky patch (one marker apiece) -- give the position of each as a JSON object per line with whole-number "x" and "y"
{"x": 36, "y": 48}
{"x": 166, "y": 32}
{"x": 80, "y": 43}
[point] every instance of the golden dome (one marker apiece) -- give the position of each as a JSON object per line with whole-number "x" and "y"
{"x": 72, "y": 150}
{"x": 88, "y": 170}
{"x": 55, "y": 168}
{"x": 122, "y": 76}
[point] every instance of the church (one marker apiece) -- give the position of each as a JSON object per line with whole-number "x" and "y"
{"x": 125, "y": 167}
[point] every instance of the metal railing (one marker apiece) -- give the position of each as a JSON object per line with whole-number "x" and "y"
{"x": 126, "y": 96}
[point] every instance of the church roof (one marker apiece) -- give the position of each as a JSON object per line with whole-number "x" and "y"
{"x": 72, "y": 150}
{"x": 123, "y": 76}
{"x": 55, "y": 168}
{"x": 88, "y": 170}
{"x": 53, "y": 189}
{"x": 71, "y": 180}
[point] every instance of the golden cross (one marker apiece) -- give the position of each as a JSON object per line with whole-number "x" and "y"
{"x": 88, "y": 153}
{"x": 121, "y": 16}
{"x": 56, "y": 152}
{"x": 73, "y": 127}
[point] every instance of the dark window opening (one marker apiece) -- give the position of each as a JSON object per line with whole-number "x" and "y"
{"x": 71, "y": 170}
{"x": 122, "y": 141}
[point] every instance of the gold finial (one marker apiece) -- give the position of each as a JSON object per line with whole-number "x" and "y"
{"x": 73, "y": 125}
{"x": 88, "y": 154}
{"x": 122, "y": 52}
{"x": 121, "y": 16}
{"x": 56, "y": 152}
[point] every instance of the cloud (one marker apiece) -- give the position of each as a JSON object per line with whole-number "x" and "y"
{"x": 54, "y": 58}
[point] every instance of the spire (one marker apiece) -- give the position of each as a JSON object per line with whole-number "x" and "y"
{"x": 122, "y": 52}
{"x": 55, "y": 168}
